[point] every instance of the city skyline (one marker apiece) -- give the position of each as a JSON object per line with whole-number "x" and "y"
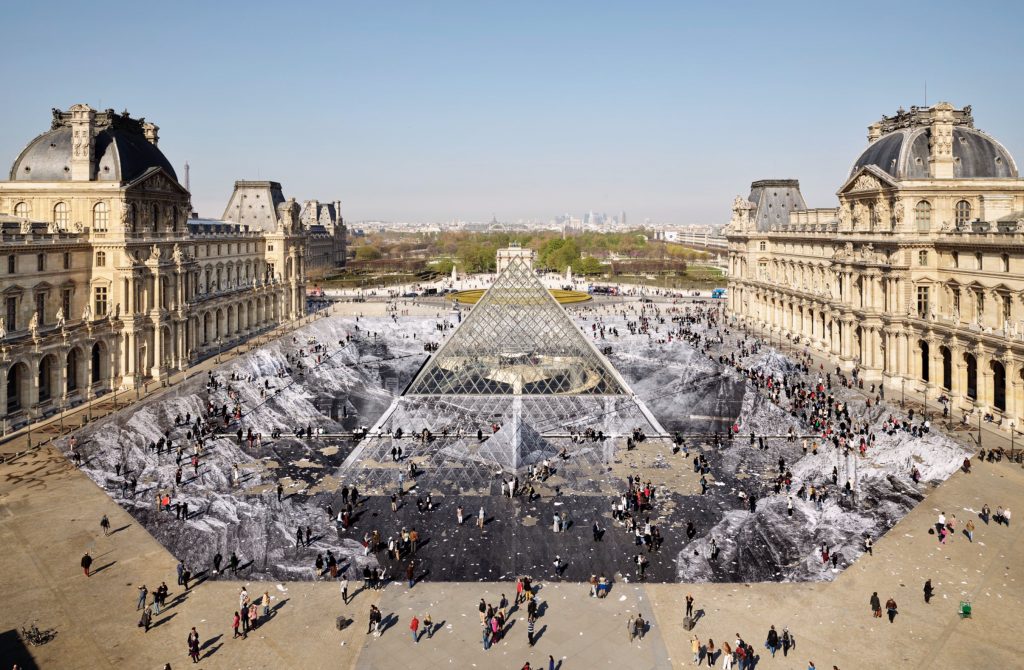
{"x": 455, "y": 111}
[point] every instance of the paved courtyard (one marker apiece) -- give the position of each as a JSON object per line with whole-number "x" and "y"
{"x": 50, "y": 511}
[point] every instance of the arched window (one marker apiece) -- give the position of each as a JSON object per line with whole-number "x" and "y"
{"x": 923, "y": 216}
{"x": 100, "y": 217}
{"x": 61, "y": 215}
{"x": 23, "y": 210}
{"x": 101, "y": 259}
{"x": 963, "y": 212}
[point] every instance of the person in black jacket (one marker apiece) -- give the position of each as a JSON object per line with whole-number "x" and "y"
{"x": 773, "y": 641}
{"x": 86, "y": 563}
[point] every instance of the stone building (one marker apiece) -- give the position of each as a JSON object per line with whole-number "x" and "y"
{"x": 916, "y": 278}
{"x": 326, "y": 235}
{"x": 108, "y": 280}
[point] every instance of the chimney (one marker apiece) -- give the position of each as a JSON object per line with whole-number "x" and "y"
{"x": 83, "y": 162}
{"x": 150, "y": 130}
{"x": 874, "y": 132}
{"x": 940, "y": 141}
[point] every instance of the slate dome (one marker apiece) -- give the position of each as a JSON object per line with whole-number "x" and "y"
{"x": 903, "y": 153}
{"x": 122, "y": 151}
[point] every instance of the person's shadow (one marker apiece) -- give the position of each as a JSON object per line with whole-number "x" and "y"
{"x": 102, "y": 568}
{"x": 210, "y": 642}
{"x": 211, "y": 651}
{"x": 164, "y": 620}
{"x": 278, "y": 606}
{"x": 539, "y": 633}
{"x": 697, "y": 614}
{"x": 437, "y": 627}
{"x": 387, "y": 622}
{"x": 118, "y": 530}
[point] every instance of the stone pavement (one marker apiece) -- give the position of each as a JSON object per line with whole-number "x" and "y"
{"x": 49, "y": 515}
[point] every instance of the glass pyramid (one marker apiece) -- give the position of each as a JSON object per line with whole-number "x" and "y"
{"x": 518, "y": 341}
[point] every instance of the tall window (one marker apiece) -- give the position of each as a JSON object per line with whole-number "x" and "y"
{"x": 955, "y": 260}
{"x": 956, "y": 300}
{"x": 1006, "y": 262}
{"x": 923, "y": 215}
{"x": 101, "y": 301}
{"x": 922, "y": 301}
{"x": 60, "y": 215}
{"x": 101, "y": 259}
{"x": 979, "y": 261}
{"x": 100, "y": 217}
{"x": 963, "y": 212}
{"x": 67, "y": 260}
{"x": 40, "y": 262}
{"x": 65, "y": 302}
{"x": 871, "y": 216}
{"x": 12, "y": 314}
{"x": 922, "y": 258}
{"x": 12, "y": 266}
{"x": 156, "y": 217}
{"x": 41, "y": 307}
{"x": 23, "y": 210}
{"x": 764, "y": 246}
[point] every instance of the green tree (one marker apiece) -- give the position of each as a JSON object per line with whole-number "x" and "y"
{"x": 588, "y": 265}
{"x": 367, "y": 253}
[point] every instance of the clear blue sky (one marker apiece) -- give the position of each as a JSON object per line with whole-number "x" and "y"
{"x": 434, "y": 110}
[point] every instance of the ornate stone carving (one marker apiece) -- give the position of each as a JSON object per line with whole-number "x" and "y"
{"x": 843, "y": 216}
{"x": 177, "y": 254}
{"x": 127, "y": 216}
{"x": 154, "y": 254}
{"x": 26, "y": 228}
{"x": 867, "y": 252}
{"x": 87, "y": 313}
{"x": 33, "y": 324}
{"x": 865, "y": 182}
{"x": 52, "y": 229}
{"x": 3, "y": 329}
{"x": 78, "y": 227}
{"x": 60, "y": 317}
{"x": 897, "y": 212}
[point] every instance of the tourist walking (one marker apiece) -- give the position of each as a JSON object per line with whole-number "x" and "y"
{"x": 890, "y": 606}
{"x": 147, "y": 618}
{"x": 86, "y": 563}
{"x": 772, "y": 641}
{"x": 695, "y": 646}
{"x": 414, "y": 626}
{"x": 105, "y": 525}
{"x": 234, "y": 625}
{"x": 193, "y": 645}
{"x": 928, "y": 591}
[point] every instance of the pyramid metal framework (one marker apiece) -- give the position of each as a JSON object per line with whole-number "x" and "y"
{"x": 519, "y": 372}
{"x": 518, "y": 340}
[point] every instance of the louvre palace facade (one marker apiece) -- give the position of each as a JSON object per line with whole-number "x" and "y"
{"x": 108, "y": 278}
{"x": 916, "y": 278}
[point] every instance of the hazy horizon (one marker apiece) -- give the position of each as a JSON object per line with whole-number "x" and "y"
{"x": 429, "y": 112}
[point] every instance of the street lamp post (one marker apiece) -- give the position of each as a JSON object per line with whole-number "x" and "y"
{"x": 903, "y": 400}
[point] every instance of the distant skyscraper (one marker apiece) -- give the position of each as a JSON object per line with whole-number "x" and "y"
{"x": 622, "y": 218}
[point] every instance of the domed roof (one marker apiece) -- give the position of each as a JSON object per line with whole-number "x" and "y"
{"x": 903, "y": 150}
{"x": 122, "y": 151}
